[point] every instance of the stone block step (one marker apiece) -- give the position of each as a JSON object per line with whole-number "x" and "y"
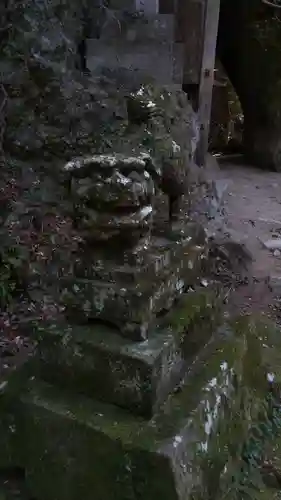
{"x": 148, "y": 63}
{"x": 138, "y": 265}
{"x": 163, "y": 68}
{"x": 139, "y": 376}
{"x": 144, "y": 45}
{"x": 132, "y": 307}
{"x": 147, "y": 6}
{"x": 136, "y": 29}
{"x": 73, "y": 447}
{"x": 129, "y": 5}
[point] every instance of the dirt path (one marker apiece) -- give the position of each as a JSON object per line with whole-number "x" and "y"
{"x": 253, "y": 214}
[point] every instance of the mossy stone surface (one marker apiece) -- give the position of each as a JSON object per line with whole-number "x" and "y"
{"x": 75, "y": 446}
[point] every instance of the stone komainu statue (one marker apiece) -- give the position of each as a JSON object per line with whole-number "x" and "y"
{"x": 125, "y": 272}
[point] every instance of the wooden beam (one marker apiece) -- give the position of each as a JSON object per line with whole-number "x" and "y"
{"x": 212, "y": 9}
{"x": 148, "y": 6}
{"x": 190, "y": 30}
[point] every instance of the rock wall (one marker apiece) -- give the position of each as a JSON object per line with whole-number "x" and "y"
{"x": 48, "y": 101}
{"x": 55, "y": 112}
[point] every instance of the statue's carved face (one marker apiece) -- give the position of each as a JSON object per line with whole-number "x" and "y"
{"x": 111, "y": 183}
{"x": 112, "y": 196}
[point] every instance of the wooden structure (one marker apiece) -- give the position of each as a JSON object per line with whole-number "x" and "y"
{"x": 197, "y": 27}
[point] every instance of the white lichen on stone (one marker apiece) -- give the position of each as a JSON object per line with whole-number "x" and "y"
{"x": 177, "y": 441}
{"x": 270, "y": 377}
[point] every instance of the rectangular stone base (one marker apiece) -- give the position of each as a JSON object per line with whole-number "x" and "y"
{"x": 132, "y": 305}
{"x": 145, "y": 262}
{"x": 131, "y": 309}
{"x": 135, "y": 375}
{"x": 76, "y": 448}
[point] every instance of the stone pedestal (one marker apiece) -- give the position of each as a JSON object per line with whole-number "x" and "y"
{"x": 121, "y": 400}
{"x": 94, "y": 449}
{"x": 76, "y": 427}
{"x": 136, "y": 375}
{"x": 141, "y": 44}
{"x": 131, "y": 296}
{"x": 74, "y": 444}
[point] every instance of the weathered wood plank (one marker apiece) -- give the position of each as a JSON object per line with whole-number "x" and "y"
{"x": 190, "y": 31}
{"x": 212, "y": 9}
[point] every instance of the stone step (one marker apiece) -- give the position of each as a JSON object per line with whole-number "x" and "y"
{"x": 159, "y": 66}
{"x": 132, "y": 307}
{"x": 132, "y": 310}
{"x": 135, "y": 375}
{"x": 123, "y": 28}
{"x": 147, "y": 6}
{"x": 129, "y": 5}
{"x": 145, "y": 46}
{"x": 137, "y": 266}
{"x": 73, "y": 447}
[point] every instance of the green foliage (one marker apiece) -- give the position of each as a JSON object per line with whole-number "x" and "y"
{"x": 248, "y": 481}
{"x": 260, "y": 409}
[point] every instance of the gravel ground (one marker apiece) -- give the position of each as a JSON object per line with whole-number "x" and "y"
{"x": 252, "y": 210}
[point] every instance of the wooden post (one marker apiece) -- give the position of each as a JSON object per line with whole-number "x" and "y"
{"x": 190, "y": 31}
{"x": 148, "y": 6}
{"x": 197, "y": 28}
{"x": 212, "y": 8}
